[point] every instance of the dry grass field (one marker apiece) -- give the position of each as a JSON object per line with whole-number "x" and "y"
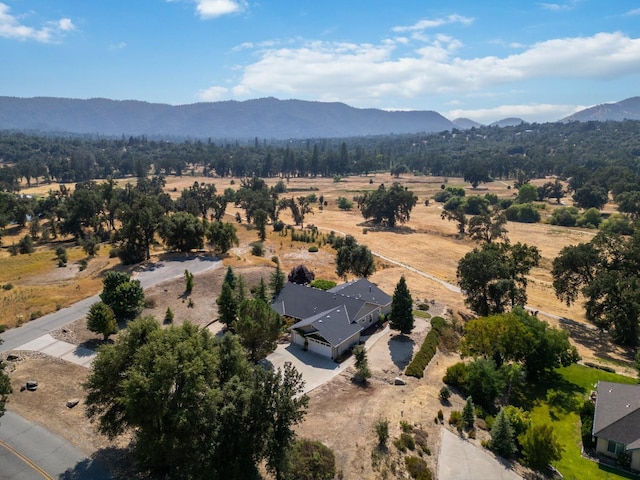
{"x": 426, "y": 243}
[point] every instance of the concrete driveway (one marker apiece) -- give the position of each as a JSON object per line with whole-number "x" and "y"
{"x": 462, "y": 460}
{"x": 315, "y": 368}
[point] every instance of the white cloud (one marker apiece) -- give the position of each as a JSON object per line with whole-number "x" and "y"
{"x": 560, "y": 7}
{"x": 218, "y": 8}
{"x": 213, "y": 94}
{"x": 434, "y": 23}
{"x": 529, "y": 113}
{"x": 635, "y": 11}
{"x": 372, "y": 74}
{"x": 11, "y": 28}
{"x": 117, "y": 46}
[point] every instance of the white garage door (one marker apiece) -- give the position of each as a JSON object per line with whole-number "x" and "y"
{"x": 320, "y": 348}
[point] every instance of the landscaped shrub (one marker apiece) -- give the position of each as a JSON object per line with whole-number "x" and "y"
{"x": 427, "y": 350}
{"x": 445, "y": 394}
{"x": 456, "y": 376}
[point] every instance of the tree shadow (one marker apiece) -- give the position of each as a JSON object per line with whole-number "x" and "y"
{"x": 595, "y": 340}
{"x": 119, "y": 460}
{"x": 401, "y": 349}
{"x": 553, "y": 388}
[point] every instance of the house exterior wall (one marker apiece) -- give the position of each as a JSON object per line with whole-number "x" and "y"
{"x": 601, "y": 447}
{"x": 344, "y": 346}
{"x": 635, "y": 459}
{"x": 297, "y": 339}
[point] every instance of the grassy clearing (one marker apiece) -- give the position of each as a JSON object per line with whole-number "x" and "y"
{"x": 421, "y": 314}
{"x": 558, "y": 399}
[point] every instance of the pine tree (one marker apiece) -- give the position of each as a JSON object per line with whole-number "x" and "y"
{"x": 261, "y": 292}
{"x": 401, "y": 315}
{"x": 502, "y": 442}
{"x": 277, "y": 280}
{"x": 101, "y": 319}
{"x": 230, "y": 278}
{"x": 227, "y": 305}
{"x": 468, "y": 415}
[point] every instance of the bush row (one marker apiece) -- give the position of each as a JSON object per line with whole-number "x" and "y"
{"x": 427, "y": 350}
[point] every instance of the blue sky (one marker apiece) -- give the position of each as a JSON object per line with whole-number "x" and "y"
{"x": 482, "y": 60}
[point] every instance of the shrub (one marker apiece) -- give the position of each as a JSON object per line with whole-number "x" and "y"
{"x": 114, "y": 252}
{"x": 188, "y": 280}
{"x": 275, "y": 260}
{"x": 168, "y": 316}
{"x": 427, "y": 350}
{"x": 405, "y": 442}
{"x": 523, "y": 213}
{"x": 564, "y": 216}
{"x": 344, "y": 203}
{"x": 417, "y": 468}
{"x": 456, "y": 376}
{"x": 406, "y": 426}
{"x": 25, "y": 245}
{"x": 312, "y": 460}
{"x": 257, "y": 249}
{"x": 278, "y": 226}
{"x": 440, "y": 416}
{"x": 313, "y": 249}
{"x": 455, "y": 418}
{"x": 7, "y": 286}
{"x": 381, "y": 428}
{"x": 445, "y": 394}
{"x": 149, "y": 303}
{"x": 61, "y": 254}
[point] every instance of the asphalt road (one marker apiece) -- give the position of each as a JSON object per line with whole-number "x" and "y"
{"x": 149, "y": 275}
{"x": 30, "y": 452}
{"x": 35, "y": 453}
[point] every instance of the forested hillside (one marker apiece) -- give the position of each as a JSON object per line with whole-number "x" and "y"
{"x": 581, "y": 151}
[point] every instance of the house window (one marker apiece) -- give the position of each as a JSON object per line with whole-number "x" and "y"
{"x": 615, "y": 447}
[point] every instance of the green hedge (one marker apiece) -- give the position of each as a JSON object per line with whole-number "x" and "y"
{"x": 427, "y": 350}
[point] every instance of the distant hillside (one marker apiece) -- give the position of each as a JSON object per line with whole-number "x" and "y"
{"x": 508, "y": 122}
{"x": 264, "y": 118}
{"x": 466, "y": 123}
{"x": 628, "y": 109}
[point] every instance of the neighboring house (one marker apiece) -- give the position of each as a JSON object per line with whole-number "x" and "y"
{"x": 616, "y": 422}
{"x": 331, "y": 322}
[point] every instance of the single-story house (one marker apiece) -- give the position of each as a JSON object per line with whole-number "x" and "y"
{"x": 330, "y": 322}
{"x": 616, "y": 422}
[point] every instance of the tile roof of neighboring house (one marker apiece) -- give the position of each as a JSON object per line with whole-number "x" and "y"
{"x": 363, "y": 289}
{"x": 617, "y": 415}
{"x": 333, "y": 325}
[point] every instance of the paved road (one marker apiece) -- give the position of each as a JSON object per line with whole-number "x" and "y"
{"x": 29, "y": 452}
{"x": 461, "y": 460}
{"x": 41, "y": 454}
{"x": 149, "y": 275}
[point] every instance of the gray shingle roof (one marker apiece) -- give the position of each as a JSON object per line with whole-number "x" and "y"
{"x": 363, "y": 289}
{"x": 302, "y": 302}
{"x": 617, "y": 415}
{"x": 333, "y": 325}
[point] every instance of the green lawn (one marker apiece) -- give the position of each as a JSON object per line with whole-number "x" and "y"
{"x": 421, "y": 314}
{"x": 557, "y": 401}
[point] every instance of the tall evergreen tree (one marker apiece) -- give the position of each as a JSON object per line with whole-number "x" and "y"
{"x": 401, "y": 315}
{"x": 502, "y": 439}
{"x": 261, "y": 292}
{"x": 227, "y": 305}
{"x": 468, "y": 414}
{"x": 277, "y": 280}
{"x": 230, "y": 278}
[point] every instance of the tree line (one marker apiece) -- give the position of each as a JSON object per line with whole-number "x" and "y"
{"x": 589, "y": 152}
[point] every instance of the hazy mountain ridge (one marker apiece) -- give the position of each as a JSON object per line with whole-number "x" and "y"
{"x": 628, "y": 109}
{"x": 264, "y": 118}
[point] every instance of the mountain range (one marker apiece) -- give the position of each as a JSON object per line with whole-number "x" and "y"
{"x": 262, "y": 118}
